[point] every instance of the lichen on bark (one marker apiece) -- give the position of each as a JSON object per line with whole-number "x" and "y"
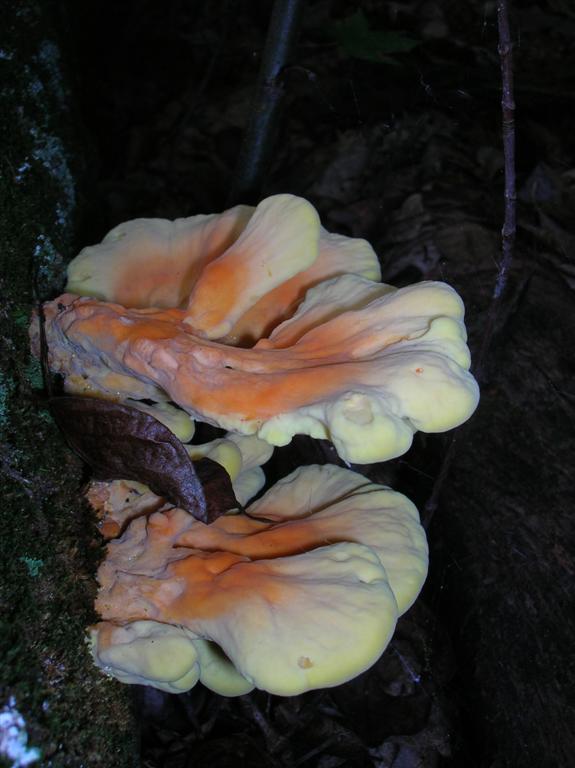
{"x": 48, "y": 543}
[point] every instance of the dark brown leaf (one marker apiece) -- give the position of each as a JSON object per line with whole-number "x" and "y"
{"x": 217, "y": 487}
{"x": 122, "y": 442}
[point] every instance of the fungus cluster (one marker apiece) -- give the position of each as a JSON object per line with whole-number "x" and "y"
{"x": 301, "y": 591}
{"x": 260, "y": 322}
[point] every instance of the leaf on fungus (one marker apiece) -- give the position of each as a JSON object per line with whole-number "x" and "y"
{"x": 217, "y": 487}
{"x": 123, "y": 443}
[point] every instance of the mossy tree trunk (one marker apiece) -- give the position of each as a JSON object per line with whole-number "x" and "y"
{"x": 48, "y": 543}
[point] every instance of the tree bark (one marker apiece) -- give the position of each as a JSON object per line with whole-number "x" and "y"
{"x": 71, "y": 714}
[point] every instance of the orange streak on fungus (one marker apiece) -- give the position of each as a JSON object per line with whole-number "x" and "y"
{"x": 198, "y": 588}
{"x": 213, "y": 376}
{"x": 279, "y": 304}
{"x": 219, "y": 287}
{"x": 270, "y": 310}
{"x": 208, "y": 595}
{"x": 265, "y": 540}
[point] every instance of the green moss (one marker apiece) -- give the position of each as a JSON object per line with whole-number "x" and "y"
{"x": 6, "y": 389}
{"x": 49, "y": 548}
{"x": 33, "y": 373}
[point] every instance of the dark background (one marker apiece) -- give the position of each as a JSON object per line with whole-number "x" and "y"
{"x": 391, "y": 128}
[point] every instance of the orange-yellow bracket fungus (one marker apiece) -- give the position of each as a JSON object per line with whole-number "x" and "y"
{"x": 337, "y": 356}
{"x": 302, "y": 592}
{"x": 237, "y": 273}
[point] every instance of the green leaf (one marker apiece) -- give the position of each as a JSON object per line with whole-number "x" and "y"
{"x": 356, "y": 39}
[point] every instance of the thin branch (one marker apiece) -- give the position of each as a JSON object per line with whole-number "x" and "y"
{"x": 508, "y": 232}
{"x": 510, "y": 217}
{"x": 261, "y": 131}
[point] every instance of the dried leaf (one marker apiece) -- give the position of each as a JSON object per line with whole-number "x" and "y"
{"x": 217, "y": 487}
{"x": 121, "y": 442}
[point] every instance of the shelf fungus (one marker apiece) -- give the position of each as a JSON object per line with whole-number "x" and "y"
{"x": 260, "y": 322}
{"x": 301, "y": 592}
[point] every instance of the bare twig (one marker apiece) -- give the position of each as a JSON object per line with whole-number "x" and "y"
{"x": 510, "y": 216}
{"x": 261, "y": 130}
{"x": 507, "y": 237}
